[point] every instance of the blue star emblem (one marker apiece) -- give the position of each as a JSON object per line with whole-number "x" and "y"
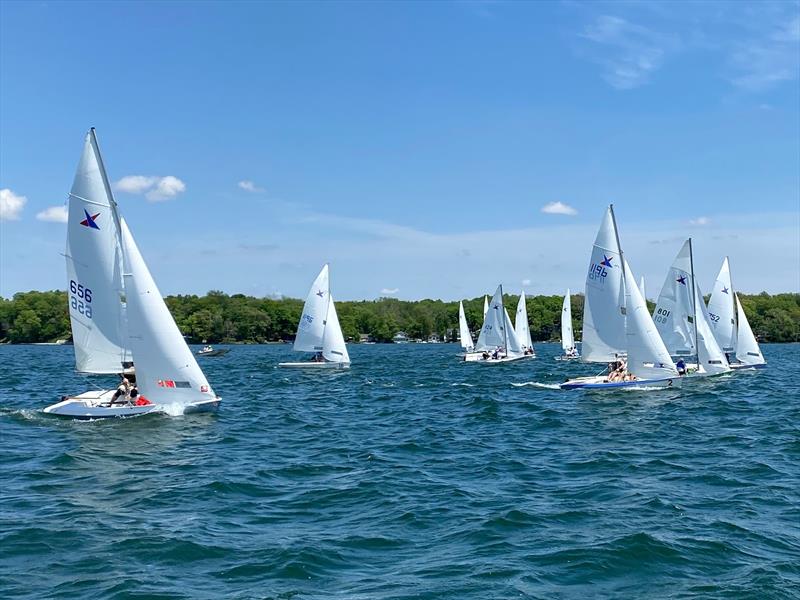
{"x": 607, "y": 261}
{"x": 89, "y": 221}
{"x": 681, "y": 280}
{"x": 724, "y": 290}
{"x": 320, "y": 293}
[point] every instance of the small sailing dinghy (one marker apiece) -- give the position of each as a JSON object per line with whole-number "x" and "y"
{"x": 117, "y": 314}
{"x": 522, "y": 327}
{"x": 730, "y": 325}
{"x": 682, "y": 319}
{"x": 319, "y": 330}
{"x": 497, "y": 342}
{"x": 567, "y": 336}
{"x": 616, "y": 322}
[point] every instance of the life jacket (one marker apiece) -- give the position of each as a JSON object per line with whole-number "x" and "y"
{"x": 142, "y": 401}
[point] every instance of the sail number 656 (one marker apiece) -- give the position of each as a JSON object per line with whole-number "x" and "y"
{"x": 80, "y": 298}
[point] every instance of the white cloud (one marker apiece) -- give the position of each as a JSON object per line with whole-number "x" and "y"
{"x": 627, "y": 52}
{"x": 154, "y": 188}
{"x": 249, "y": 186}
{"x": 526, "y": 282}
{"x": 389, "y": 291}
{"x": 11, "y": 205}
{"x": 558, "y": 208}
{"x": 54, "y": 214}
{"x": 768, "y": 57}
{"x": 700, "y": 221}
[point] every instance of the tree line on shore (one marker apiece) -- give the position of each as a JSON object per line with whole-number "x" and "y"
{"x": 32, "y": 317}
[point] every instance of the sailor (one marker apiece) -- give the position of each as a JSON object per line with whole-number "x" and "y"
{"x": 318, "y": 357}
{"x": 123, "y": 392}
{"x": 681, "y": 366}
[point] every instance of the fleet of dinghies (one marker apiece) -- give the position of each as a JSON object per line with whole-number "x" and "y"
{"x": 121, "y": 325}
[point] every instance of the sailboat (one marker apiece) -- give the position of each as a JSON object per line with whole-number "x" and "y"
{"x": 497, "y": 342}
{"x": 616, "y": 321}
{"x": 730, "y": 325}
{"x": 117, "y": 314}
{"x": 319, "y": 330}
{"x": 463, "y": 329}
{"x": 522, "y": 327}
{"x": 567, "y": 336}
{"x": 682, "y": 319}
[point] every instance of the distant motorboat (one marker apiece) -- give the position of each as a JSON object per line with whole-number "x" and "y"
{"x": 209, "y": 351}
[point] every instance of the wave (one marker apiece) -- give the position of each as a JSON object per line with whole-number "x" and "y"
{"x": 548, "y": 386}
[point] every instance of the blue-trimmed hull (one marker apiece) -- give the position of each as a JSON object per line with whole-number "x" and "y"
{"x": 596, "y": 383}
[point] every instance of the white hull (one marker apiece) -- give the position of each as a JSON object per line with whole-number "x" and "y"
{"x": 97, "y": 405}
{"x": 314, "y": 365}
{"x": 600, "y": 382}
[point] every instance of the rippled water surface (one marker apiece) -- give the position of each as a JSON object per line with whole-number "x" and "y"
{"x": 410, "y": 476}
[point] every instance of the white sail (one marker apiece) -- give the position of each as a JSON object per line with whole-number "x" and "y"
{"x": 333, "y": 347}
{"x": 603, "y": 316}
{"x": 485, "y": 306}
{"x": 747, "y": 349}
{"x": 166, "y": 370}
{"x": 463, "y": 329}
{"x": 642, "y": 288}
{"x": 311, "y": 329}
{"x": 674, "y": 312}
{"x": 711, "y": 359}
{"x": 94, "y": 268}
{"x": 567, "y": 337}
{"x": 648, "y": 358}
{"x": 521, "y": 325}
{"x": 492, "y": 333}
{"x": 513, "y": 343}
{"x": 721, "y": 309}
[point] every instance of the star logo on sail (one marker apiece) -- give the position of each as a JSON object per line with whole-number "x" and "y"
{"x": 320, "y": 293}
{"x": 681, "y": 280}
{"x": 724, "y": 290}
{"x": 607, "y": 261}
{"x": 89, "y": 221}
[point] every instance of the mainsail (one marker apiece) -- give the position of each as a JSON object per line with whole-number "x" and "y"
{"x": 722, "y": 311}
{"x": 674, "y": 313}
{"x": 747, "y": 350}
{"x": 567, "y": 337}
{"x": 166, "y": 370}
{"x": 493, "y": 332}
{"x": 603, "y": 309}
{"x": 311, "y": 329}
{"x": 94, "y": 268}
{"x": 463, "y": 329}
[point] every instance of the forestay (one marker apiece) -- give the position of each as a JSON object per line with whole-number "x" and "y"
{"x": 567, "y": 337}
{"x": 603, "y": 316}
{"x": 463, "y": 329}
{"x": 94, "y": 268}
{"x": 747, "y": 349}
{"x": 721, "y": 309}
{"x": 311, "y": 329}
{"x": 648, "y": 358}
{"x": 166, "y": 371}
{"x": 521, "y": 325}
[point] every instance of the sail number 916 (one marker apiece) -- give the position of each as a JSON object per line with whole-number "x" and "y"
{"x": 80, "y": 298}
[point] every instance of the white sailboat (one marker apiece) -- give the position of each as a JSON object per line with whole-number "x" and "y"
{"x": 682, "y": 320}
{"x": 522, "y": 327}
{"x": 567, "y": 337}
{"x": 730, "y": 325}
{"x": 319, "y": 330}
{"x": 463, "y": 329}
{"x": 117, "y": 314}
{"x": 617, "y": 322}
{"x": 497, "y": 341}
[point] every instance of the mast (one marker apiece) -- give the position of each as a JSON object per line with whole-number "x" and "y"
{"x": 694, "y": 306}
{"x": 621, "y": 258}
{"x": 505, "y": 325}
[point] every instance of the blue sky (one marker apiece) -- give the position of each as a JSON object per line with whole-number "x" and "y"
{"x": 414, "y": 146}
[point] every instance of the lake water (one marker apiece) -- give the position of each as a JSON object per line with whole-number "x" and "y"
{"x": 410, "y": 476}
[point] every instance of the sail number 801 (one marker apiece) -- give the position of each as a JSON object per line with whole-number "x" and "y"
{"x": 80, "y": 298}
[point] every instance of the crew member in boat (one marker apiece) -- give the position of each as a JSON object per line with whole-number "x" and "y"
{"x": 122, "y": 395}
{"x": 681, "y": 366}
{"x": 318, "y": 357}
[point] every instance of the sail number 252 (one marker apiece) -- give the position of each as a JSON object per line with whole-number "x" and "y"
{"x": 80, "y": 298}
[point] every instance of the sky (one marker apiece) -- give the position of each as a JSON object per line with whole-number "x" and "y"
{"x": 423, "y": 149}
